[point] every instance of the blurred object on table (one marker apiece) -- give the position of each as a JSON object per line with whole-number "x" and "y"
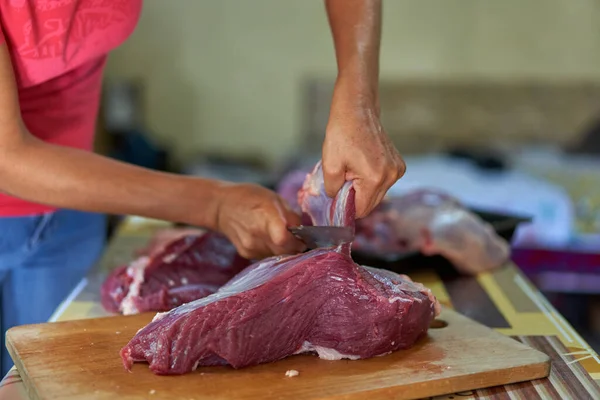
{"x": 560, "y": 270}
{"x": 123, "y": 121}
{"x": 122, "y": 108}
{"x": 484, "y": 159}
{"x": 135, "y": 147}
{"x": 507, "y": 191}
{"x": 579, "y": 176}
{"x": 589, "y": 142}
{"x": 569, "y": 275}
{"x": 232, "y": 169}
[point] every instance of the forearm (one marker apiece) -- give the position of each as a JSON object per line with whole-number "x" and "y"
{"x": 71, "y": 178}
{"x": 356, "y": 146}
{"x": 356, "y": 31}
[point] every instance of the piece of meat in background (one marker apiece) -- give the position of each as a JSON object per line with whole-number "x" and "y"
{"x": 179, "y": 266}
{"x": 432, "y": 223}
{"x": 161, "y": 238}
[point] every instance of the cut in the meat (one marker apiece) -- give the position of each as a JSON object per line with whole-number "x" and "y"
{"x": 319, "y": 301}
{"x": 176, "y": 271}
{"x": 426, "y": 221}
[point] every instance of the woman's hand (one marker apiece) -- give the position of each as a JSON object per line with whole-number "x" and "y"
{"x": 357, "y": 148}
{"x": 256, "y": 219}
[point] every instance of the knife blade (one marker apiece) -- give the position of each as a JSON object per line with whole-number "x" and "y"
{"x": 322, "y": 236}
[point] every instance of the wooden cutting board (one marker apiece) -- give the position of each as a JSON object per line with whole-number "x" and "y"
{"x": 80, "y": 360}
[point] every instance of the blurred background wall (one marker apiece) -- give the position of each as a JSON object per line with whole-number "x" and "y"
{"x": 225, "y": 76}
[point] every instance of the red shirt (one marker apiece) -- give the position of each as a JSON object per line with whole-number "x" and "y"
{"x": 58, "y": 50}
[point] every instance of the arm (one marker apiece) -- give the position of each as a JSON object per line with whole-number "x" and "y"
{"x": 64, "y": 177}
{"x": 356, "y": 30}
{"x": 356, "y": 146}
{"x": 70, "y": 178}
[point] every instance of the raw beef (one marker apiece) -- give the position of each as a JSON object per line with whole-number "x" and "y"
{"x": 179, "y": 267}
{"x": 161, "y": 238}
{"x": 426, "y": 221}
{"x": 432, "y": 223}
{"x": 319, "y": 301}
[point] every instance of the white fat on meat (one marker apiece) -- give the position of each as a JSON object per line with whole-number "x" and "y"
{"x": 169, "y": 258}
{"x": 421, "y": 288}
{"x": 402, "y": 299}
{"x": 195, "y": 367}
{"x": 406, "y": 284}
{"x": 411, "y": 285}
{"x": 325, "y": 353}
{"x": 159, "y": 315}
{"x": 136, "y": 271}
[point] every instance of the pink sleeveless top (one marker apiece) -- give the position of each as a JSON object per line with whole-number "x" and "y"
{"x": 58, "y": 50}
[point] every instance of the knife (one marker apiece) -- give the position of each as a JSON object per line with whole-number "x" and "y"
{"x": 323, "y": 236}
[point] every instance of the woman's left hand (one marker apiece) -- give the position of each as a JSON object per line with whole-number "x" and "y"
{"x": 357, "y": 148}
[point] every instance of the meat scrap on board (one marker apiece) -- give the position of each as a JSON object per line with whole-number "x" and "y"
{"x": 316, "y": 302}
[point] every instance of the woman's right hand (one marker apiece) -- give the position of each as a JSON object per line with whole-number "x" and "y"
{"x": 256, "y": 219}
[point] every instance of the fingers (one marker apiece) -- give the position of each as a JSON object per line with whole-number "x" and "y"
{"x": 292, "y": 219}
{"x": 371, "y": 189}
{"x": 281, "y": 240}
{"x": 268, "y": 234}
{"x": 334, "y": 175}
{"x": 277, "y": 241}
{"x": 366, "y": 198}
{"x": 251, "y": 248}
{"x": 400, "y": 168}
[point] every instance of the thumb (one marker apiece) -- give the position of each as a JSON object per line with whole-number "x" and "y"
{"x": 334, "y": 177}
{"x": 292, "y": 218}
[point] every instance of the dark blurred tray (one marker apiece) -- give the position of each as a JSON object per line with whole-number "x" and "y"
{"x": 505, "y": 225}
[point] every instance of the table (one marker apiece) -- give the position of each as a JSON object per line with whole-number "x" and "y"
{"x": 503, "y": 300}
{"x": 561, "y": 270}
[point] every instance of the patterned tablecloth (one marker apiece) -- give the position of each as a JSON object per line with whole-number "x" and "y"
{"x": 504, "y": 300}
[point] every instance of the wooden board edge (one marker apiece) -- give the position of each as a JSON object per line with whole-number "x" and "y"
{"x": 539, "y": 368}
{"x": 14, "y": 354}
{"x": 58, "y": 324}
{"x": 500, "y": 336}
{"x": 423, "y": 390}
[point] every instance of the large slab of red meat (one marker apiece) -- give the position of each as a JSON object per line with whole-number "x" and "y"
{"x": 426, "y": 221}
{"x": 319, "y": 301}
{"x": 177, "y": 267}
